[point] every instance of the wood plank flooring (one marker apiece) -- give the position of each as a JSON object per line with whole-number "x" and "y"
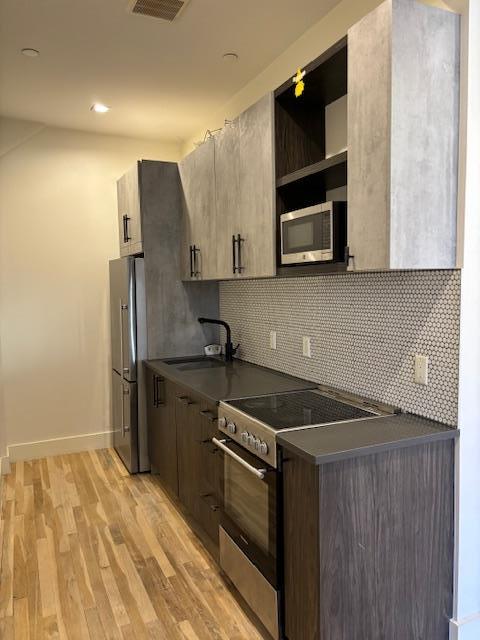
{"x": 90, "y": 552}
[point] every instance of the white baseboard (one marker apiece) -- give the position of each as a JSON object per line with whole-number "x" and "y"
{"x": 466, "y": 628}
{"x": 59, "y": 446}
{"x": 4, "y": 465}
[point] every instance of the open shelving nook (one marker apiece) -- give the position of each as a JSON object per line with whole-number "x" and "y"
{"x": 309, "y": 169}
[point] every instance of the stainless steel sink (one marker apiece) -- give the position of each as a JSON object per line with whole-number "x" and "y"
{"x": 197, "y": 362}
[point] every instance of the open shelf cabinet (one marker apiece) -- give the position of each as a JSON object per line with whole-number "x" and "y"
{"x": 311, "y": 140}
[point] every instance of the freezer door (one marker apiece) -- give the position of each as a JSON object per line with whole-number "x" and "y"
{"x": 123, "y": 317}
{"x": 124, "y": 414}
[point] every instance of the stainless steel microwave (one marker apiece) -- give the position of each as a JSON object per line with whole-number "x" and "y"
{"x": 314, "y": 234}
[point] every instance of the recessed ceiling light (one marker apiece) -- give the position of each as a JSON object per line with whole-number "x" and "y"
{"x": 230, "y": 56}
{"x": 30, "y": 53}
{"x": 98, "y": 107}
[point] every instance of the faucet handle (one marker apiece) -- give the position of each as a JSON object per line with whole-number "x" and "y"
{"x": 235, "y": 349}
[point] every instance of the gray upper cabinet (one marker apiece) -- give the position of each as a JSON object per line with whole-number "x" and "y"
{"x": 197, "y": 175}
{"x": 244, "y": 176}
{"x": 227, "y": 191}
{"x": 403, "y": 102}
{"x": 129, "y": 212}
{"x": 257, "y": 188}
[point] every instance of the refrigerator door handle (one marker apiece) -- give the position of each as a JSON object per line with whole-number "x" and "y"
{"x": 125, "y": 427}
{"x": 122, "y": 308}
{"x": 122, "y": 393}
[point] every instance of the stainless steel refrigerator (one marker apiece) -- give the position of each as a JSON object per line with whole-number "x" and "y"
{"x": 128, "y": 336}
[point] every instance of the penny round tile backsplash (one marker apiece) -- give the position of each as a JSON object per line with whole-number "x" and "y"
{"x": 365, "y": 330}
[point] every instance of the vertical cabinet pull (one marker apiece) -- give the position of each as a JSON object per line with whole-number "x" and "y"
{"x": 196, "y": 251}
{"x": 192, "y": 268}
{"x": 126, "y": 237}
{"x": 155, "y": 391}
{"x": 160, "y": 386}
{"x": 237, "y": 253}
{"x": 158, "y": 396}
{"x": 240, "y": 266}
{"x": 234, "y": 255}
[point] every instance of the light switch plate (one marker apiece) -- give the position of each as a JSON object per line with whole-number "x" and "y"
{"x": 273, "y": 339}
{"x": 307, "y": 346}
{"x": 421, "y": 369}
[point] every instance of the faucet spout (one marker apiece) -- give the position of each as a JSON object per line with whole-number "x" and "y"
{"x": 229, "y": 348}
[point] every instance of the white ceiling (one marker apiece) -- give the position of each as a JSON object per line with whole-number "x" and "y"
{"x": 161, "y": 79}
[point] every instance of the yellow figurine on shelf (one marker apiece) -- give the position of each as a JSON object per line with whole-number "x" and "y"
{"x": 299, "y": 83}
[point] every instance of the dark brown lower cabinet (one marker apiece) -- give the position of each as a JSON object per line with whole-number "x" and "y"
{"x": 196, "y": 422}
{"x": 181, "y": 426}
{"x": 369, "y": 546}
{"x": 162, "y": 432}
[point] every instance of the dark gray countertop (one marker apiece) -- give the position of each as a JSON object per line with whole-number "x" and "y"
{"x": 319, "y": 445}
{"x": 237, "y": 379}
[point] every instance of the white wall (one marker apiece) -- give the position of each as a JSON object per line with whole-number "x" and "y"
{"x": 319, "y": 37}
{"x": 57, "y": 232}
{"x": 466, "y": 622}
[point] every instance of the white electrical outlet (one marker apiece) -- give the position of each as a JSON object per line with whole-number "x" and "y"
{"x": 273, "y": 339}
{"x": 307, "y": 346}
{"x": 421, "y": 369}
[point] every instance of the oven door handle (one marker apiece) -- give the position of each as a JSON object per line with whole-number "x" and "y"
{"x": 259, "y": 473}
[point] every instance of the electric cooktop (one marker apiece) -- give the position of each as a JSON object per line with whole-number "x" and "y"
{"x": 299, "y": 409}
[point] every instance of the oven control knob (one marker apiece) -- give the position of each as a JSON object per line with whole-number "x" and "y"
{"x": 222, "y": 422}
{"x": 231, "y": 427}
{"x": 256, "y": 444}
{"x": 263, "y": 448}
{"x": 244, "y": 437}
{"x": 251, "y": 440}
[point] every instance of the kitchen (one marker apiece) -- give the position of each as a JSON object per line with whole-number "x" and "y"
{"x": 291, "y": 312}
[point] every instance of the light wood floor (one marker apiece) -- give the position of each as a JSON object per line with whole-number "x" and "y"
{"x": 89, "y": 552}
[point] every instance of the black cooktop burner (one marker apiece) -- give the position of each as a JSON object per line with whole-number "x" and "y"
{"x": 298, "y": 409}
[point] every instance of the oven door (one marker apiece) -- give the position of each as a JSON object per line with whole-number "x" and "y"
{"x": 307, "y": 234}
{"x": 250, "y": 506}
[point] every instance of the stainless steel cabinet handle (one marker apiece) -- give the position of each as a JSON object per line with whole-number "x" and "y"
{"x": 192, "y": 270}
{"x": 234, "y": 255}
{"x": 185, "y": 400}
{"x": 259, "y": 473}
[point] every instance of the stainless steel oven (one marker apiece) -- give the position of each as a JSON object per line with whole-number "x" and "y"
{"x": 313, "y": 234}
{"x": 249, "y": 545}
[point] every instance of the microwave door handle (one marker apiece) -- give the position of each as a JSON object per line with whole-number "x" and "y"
{"x": 221, "y": 444}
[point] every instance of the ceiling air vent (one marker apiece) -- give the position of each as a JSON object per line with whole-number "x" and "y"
{"x": 163, "y": 9}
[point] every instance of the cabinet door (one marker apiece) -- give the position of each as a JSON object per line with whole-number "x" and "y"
{"x": 403, "y": 92}
{"x": 227, "y": 189}
{"x": 256, "y": 202}
{"x": 188, "y": 449}
{"x": 162, "y": 437}
{"x": 129, "y": 217}
{"x": 197, "y": 174}
{"x": 208, "y": 485}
